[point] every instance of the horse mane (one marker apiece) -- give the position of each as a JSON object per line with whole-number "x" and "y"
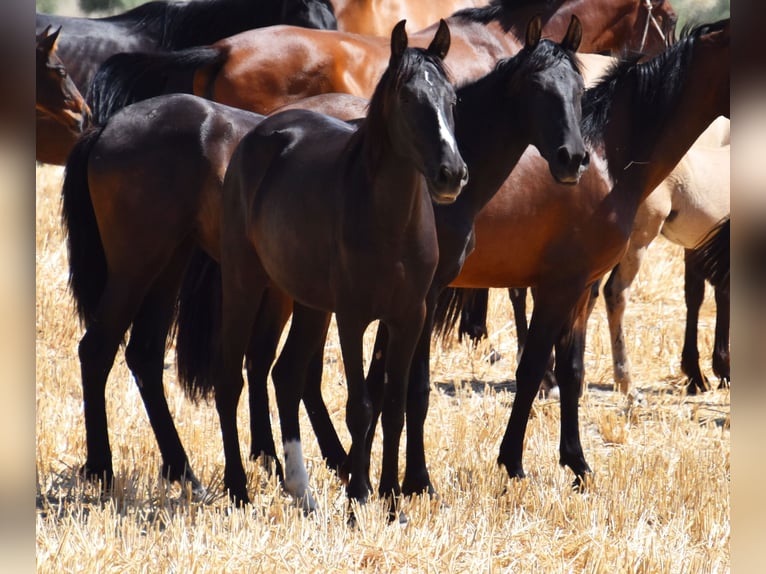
{"x": 390, "y": 83}
{"x": 179, "y": 25}
{"x": 500, "y": 10}
{"x": 658, "y": 83}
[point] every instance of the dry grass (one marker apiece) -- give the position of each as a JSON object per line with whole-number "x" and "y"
{"x": 659, "y": 501}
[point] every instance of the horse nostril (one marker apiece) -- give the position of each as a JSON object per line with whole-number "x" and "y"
{"x": 585, "y": 160}
{"x": 563, "y": 157}
{"x": 463, "y": 174}
{"x": 445, "y": 174}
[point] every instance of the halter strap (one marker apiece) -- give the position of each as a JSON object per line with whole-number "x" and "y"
{"x": 650, "y": 18}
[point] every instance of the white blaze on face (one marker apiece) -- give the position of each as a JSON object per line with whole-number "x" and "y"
{"x": 296, "y": 477}
{"x": 444, "y": 131}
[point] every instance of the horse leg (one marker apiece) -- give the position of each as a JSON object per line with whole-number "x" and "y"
{"x": 274, "y": 311}
{"x": 358, "y": 403}
{"x": 570, "y": 372}
{"x": 416, "y": 477}
{"x": 244, "y": 283}
{"x": 721, "y": 361}
{"x": 518, "y": 297}
{"x": 145, "y": 355}
{"x": 97, "y": 350}
{"x": 694, "y": 294}
{"x": 329, "y": 444}
{"x": 548, "y": 317}
{"x": 473, "y": 317}
{"x": 307, "y": 332}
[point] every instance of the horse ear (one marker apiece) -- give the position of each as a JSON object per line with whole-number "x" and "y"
{"x": 534, "y": 31}
{"x": 43, "y": 34}
{"x": 573, "y": 36}
{"x": 47, "y": 39}
{"x": 440, "y": 44}
{"x": 398, "y": 41}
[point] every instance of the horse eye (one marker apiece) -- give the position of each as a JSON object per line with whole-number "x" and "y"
{"x": 61, "y": 72}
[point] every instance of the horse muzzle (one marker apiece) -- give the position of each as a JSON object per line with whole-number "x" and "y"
{"x": 448, "y": 183}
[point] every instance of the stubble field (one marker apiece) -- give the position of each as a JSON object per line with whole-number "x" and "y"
{"x": 658, "y": 501}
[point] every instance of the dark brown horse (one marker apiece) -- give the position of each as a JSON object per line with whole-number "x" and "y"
{"x": 530, "y": 98}
{"x": 160, "y": 25}
{"x": 139, "y": 193}
{"x": 366, "y": 247}
{"x": 57, "y": 101}
{"x": 261, "y": 70}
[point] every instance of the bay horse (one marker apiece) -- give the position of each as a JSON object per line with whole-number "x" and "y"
{"x": 263, "y": 69}
{"x": 532, "y": 97}
{"x": 160, "y": 25}
{"x": 639, "y": 124}
{"x": 684, "y": 208}
{"x": 57, "y": 98}
{"x": 366, "y": 249}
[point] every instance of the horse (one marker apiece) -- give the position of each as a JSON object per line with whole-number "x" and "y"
{"x": 532, "y": 97}
{"x": 687, "y": 205}
{"x": 366, "y": 248}
{"x": 690, "y": 203}
{"x": 57, "y": 98}
{"x": 639, "y": 125}
{"x": 260, "y": 70}
{"x": 134, "y": 211}
{"x": 160, "y": 25}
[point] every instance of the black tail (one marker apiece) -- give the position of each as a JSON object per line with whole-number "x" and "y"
{"x": 126, "y": 78}
{"x": 712, "y": 257}
{"x": 198, "y": 326}
{"x": 448, "y": 309}
{"x": 87, "y": 262}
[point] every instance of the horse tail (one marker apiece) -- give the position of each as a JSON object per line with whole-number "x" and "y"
{"x": 712, "y": 256}
{"x": 87, "y": 261}
{"x": 126, "y": 78}
{"x": 449, "y": 307}
{"x": 198, "y": 326}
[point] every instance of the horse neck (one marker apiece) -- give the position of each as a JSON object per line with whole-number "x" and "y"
{"x": 490, "y": 140}
{"x": 641, "y": 159}
{"x": 391, "y": 189}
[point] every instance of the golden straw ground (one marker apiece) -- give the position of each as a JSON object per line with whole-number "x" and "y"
{"x": 659, "y": 499}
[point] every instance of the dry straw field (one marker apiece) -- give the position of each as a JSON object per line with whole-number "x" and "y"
{"x": 658, "y": 502}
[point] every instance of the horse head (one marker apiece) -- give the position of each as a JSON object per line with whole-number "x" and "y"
{"x": 420, "y": 112}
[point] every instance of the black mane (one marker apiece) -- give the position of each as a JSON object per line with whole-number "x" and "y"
{"x": 657, "y": 84}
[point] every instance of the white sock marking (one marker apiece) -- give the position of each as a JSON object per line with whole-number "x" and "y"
{"x": 296, "y": 477}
